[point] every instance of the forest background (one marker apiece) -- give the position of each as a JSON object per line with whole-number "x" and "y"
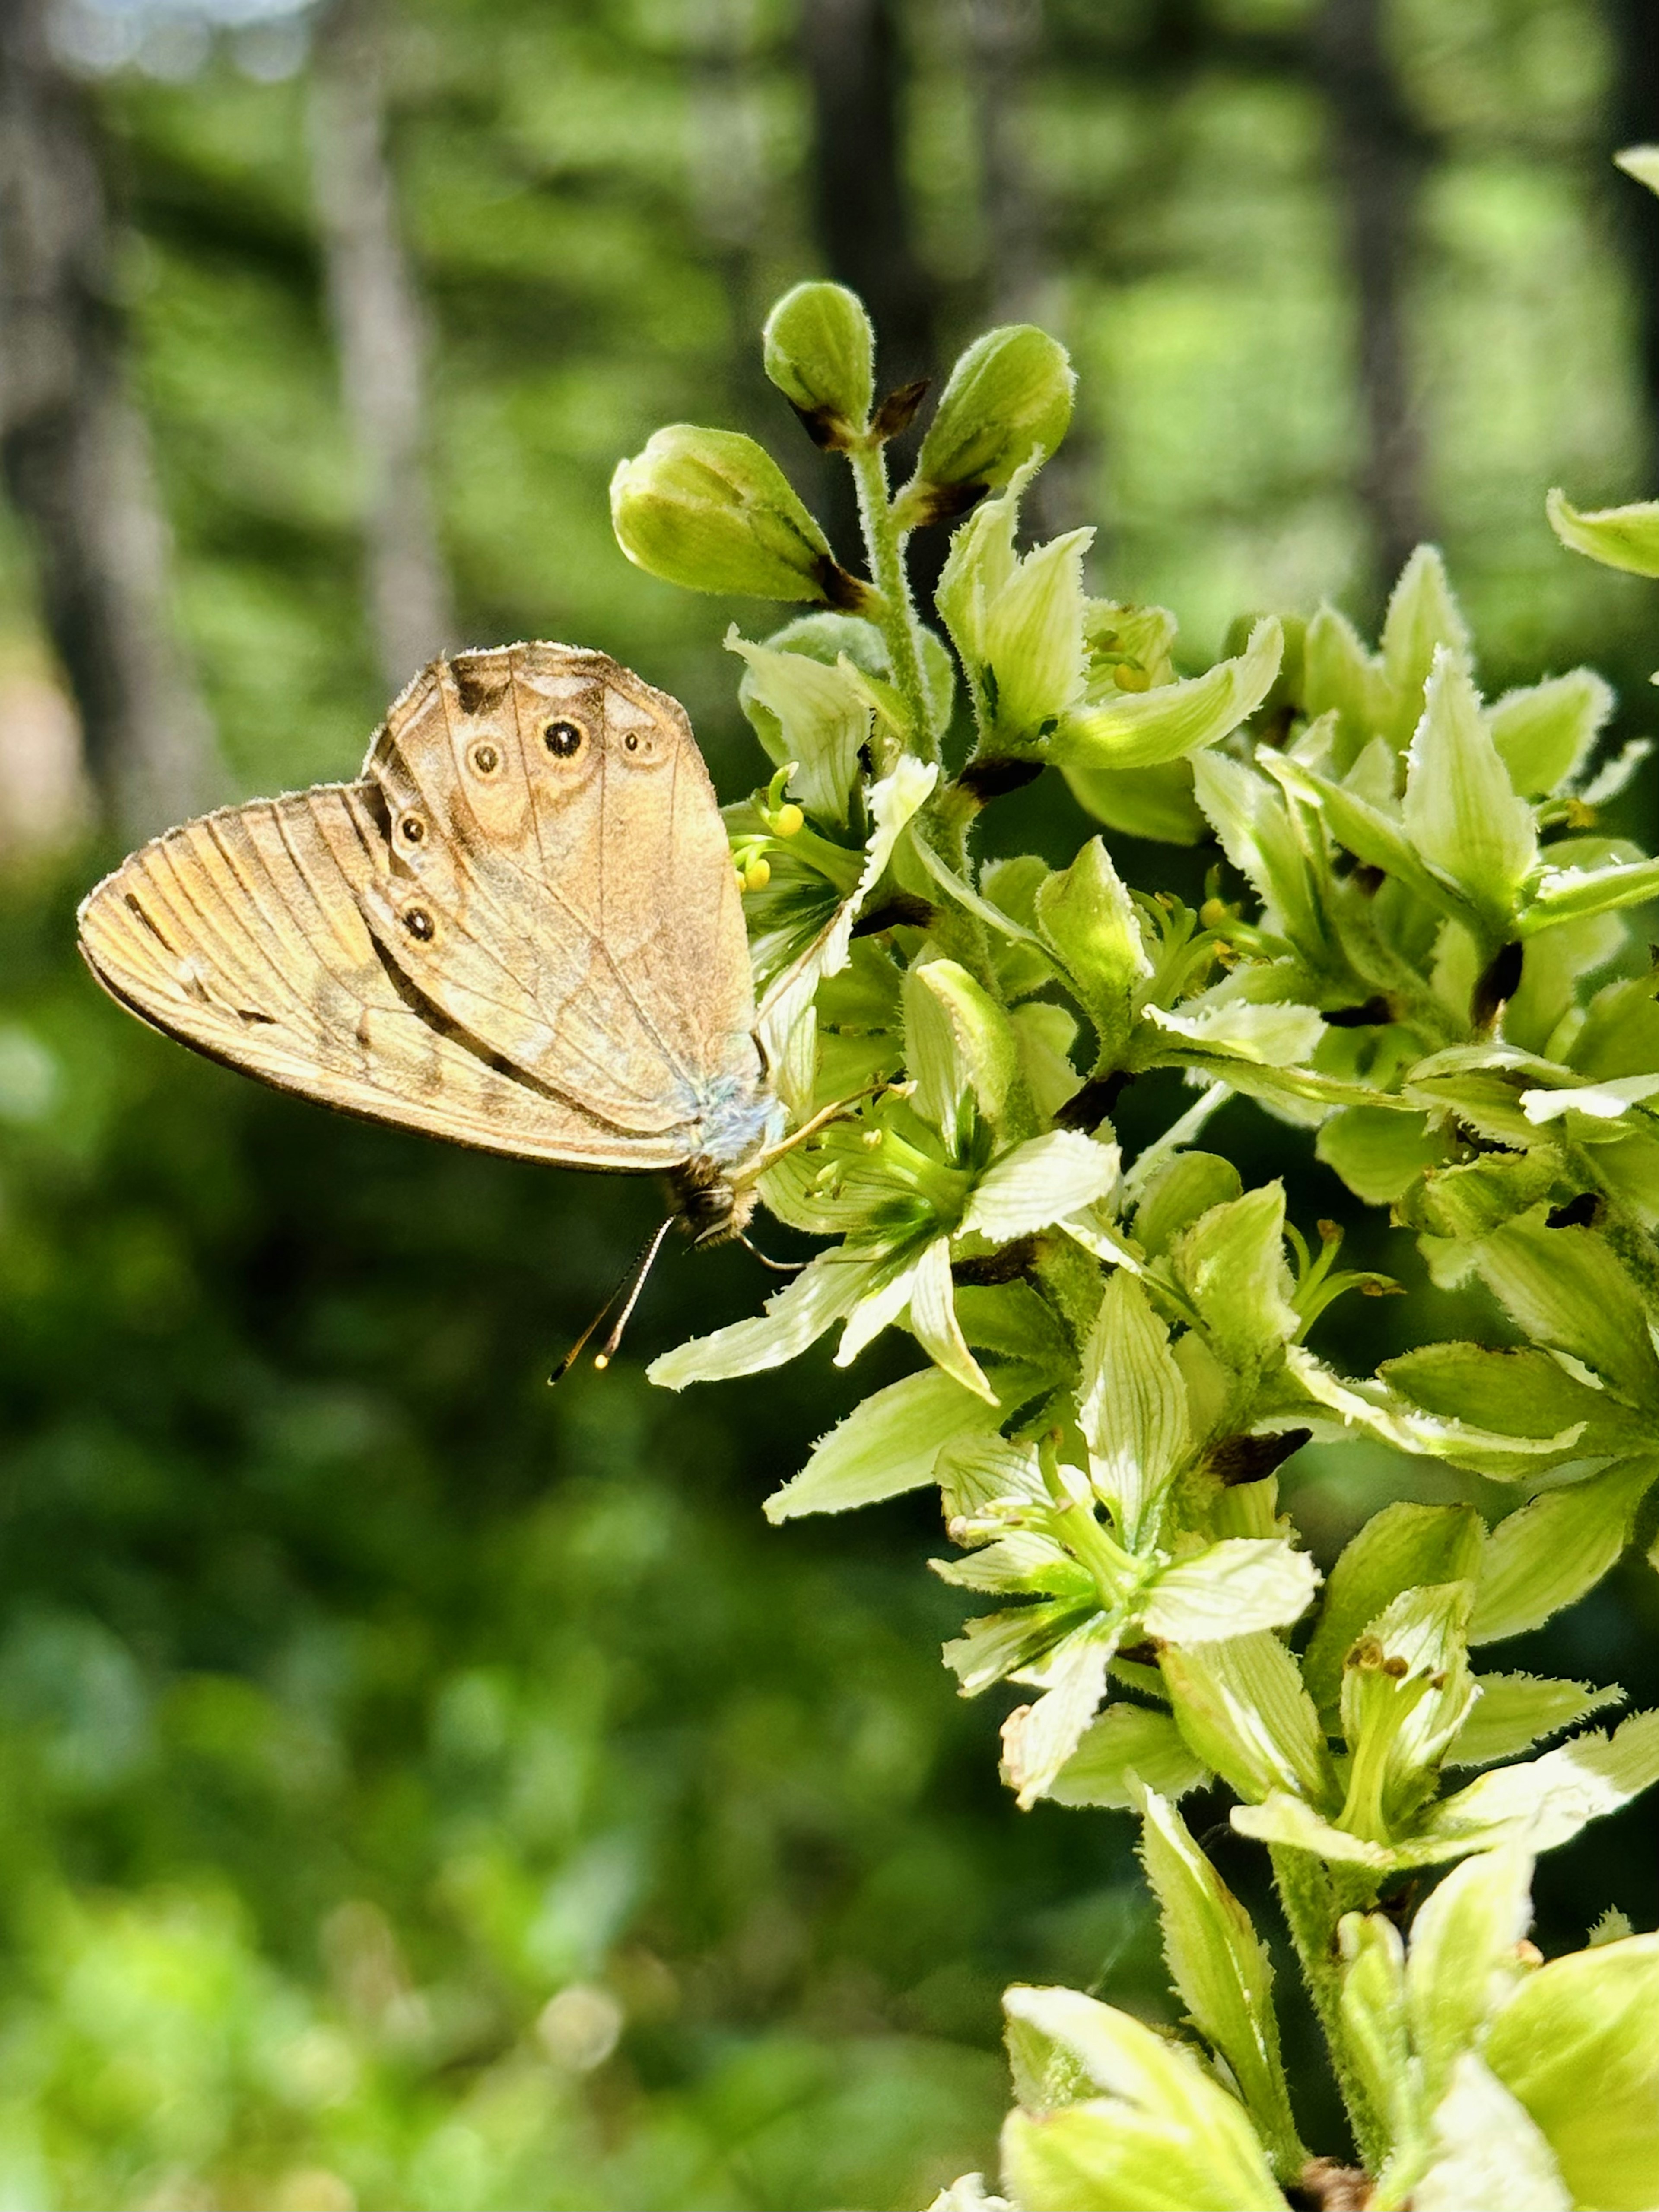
{"x": 419, "y": 1788}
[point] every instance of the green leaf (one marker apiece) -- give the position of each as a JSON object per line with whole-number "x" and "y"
{"x": 712, "y": 510}
{"x": 1158, "y": 2137}
{"x": 1618, "y": 537}
{"x": 1405, "y": 1546}
{"x": 1097, "y": 2157}
{"x": 1544, "y": 733}
{"x": 1021, "y": 1564}
{"x": 1221, "y": 1971}
{"x": 1092, "y": 926}
{"x": 1575, "y": 894}
{"x": 1146, "y": 728}
{"x": 1132, "y": 1407}
{"x": 1424, "y": 619}
{"x": 1464, "y": 1961}
{"x": 819, "y": 350}
{"x": 1575, "y": 2045}
{"x": 975, "y": 1471}
{"x": 1460, "y": 811}
{"x": 1368, "y": 834}
{"x": 1339, "y": 676}
{"x": 808, "y": 714}
{"x": 1125, "y": 1745}
{"x": 1038, "y": 1183}
{"x": 1026, "y": 1637}
{"x": 890, "y": 1443}
{"x": 1008, "y": 401}
{"x": 1044, "y": 1035}
{"x": 1513, "y": 1389}
{"x": 1259, "y": 835}
{"x": 959, "y": 1046}
{"x": 1156, "y": 803}
{"x": 1514, "y": 1711}
{"x": 1375, "y": 1410}
{"x": 785, "y": 1025}
{"x": 1235, "y": 1588}
{"x": 1188, "y": 1187}
{"x": 1241, "y": 1707}
{"x": 1373, "y": 2008}
{"x": 1291, "y": 1821}
{"x": 1379, "y": 1154}
{"x": 1549, "y": 1553}
{"x": 1488, "y": 2151}
{"x": 1566, "y": 1290}
{"x": 1641, "y": 162}
{"x": 1231, "y": 1265}
{"x": 1013, "y": 1320}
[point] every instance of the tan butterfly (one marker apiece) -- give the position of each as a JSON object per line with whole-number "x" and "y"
{"x": 520, "y": 929}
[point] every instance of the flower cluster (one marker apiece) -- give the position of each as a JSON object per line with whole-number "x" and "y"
{"x": 1421, "y": 947}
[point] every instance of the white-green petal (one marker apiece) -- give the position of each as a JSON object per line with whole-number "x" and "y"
{"x": 889, "y": 1443}
{"x": 933, "y": 1318}
{"x": 1546, "y": 1801}
{"x": 829, "y": 1287}
{"x": 1139, "y": 729}
{"x": 1133, "y": 1409}
{"x": 1461, "y": 811}
{"x": 1037, "y": 1740}
{"x": 1235, "y": 1588}
{"x": 1039, "y": 1183}
{"x": 1124, "y": 1746}
{"x": 1603, "y": 1102}
{"x": 784, "y": 1023}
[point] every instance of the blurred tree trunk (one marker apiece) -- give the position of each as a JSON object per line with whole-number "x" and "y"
{"x": 1003, "y": 36}
{"x": 75, "y": 453}
{"x": 1377, "y": 156}
{"x": 730, "y": 195}
{"x": 855, "y": 68}
{"x": 378, "y": 328}
{"x": 1634, "y": 25}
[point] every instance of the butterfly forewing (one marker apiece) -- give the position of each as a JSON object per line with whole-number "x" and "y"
{"x": 520, "y": 931}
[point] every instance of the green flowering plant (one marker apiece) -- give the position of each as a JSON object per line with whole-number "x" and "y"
{"x": 1417, "y": 943}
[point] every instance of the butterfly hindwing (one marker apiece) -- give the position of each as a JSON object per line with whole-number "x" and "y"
{"x": 519, "y": 930}
{"x": 573, "y": 869}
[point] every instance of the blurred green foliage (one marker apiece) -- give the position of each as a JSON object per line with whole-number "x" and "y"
{"x": 385, "y": 1740}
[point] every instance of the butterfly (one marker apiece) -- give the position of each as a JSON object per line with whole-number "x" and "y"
{"x": 519, "y": 929}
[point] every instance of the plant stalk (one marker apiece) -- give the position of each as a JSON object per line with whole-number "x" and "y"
{"x": 886, "y": 548}
{"x": 1311, "y": 1911}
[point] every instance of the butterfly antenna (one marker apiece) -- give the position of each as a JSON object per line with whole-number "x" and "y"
{"x": 631, "y": 1284}
{"x": 778, "y": 1266}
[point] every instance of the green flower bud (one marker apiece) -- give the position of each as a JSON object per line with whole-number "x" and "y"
{"x": 819, "y": 351}
{"x": 1009, "y": 398}
{"x": 712, "y": 510}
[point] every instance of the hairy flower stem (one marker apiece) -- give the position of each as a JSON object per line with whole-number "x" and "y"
{"x": 886, "y": 549}
{"x": 1312, "y": 1910}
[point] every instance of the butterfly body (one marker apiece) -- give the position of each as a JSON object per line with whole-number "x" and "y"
{"x": 519, "y": 930}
